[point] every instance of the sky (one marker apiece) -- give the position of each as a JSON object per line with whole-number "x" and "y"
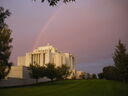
{"x": 89, "y": 29}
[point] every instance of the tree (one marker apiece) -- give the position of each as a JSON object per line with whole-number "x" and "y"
{"x": 111, "y": 73}
{"x": 100, "y": 75}
{"x": 35, "y": 71}
{"x": 51, "y": 71}
{"x": 3, "y": 15}
{"x": 88, "y": 76}
{"x": 5, "y": 44}
{"x": 63, "y": 72}
{"x": 94, "y": 76}
{"x": 120, "y": 59}
{"x": 42, "y": 71}
{"x": 55, "y": 2}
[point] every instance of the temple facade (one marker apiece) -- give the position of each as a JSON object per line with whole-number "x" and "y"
{"x": 45, "y": 55}
{"x": 42, "y": 56}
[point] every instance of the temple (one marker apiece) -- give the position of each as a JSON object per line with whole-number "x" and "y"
{"x": 42, "y": 56}
{"x": 45, "y": 55}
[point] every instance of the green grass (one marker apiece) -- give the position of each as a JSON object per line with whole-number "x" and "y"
{"x": 70, "y": 88}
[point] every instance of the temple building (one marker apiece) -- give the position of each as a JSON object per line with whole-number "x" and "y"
{"x": 20, "y": 75}
{"x": 45, "y": 55}
{"x": 42, "y": 56}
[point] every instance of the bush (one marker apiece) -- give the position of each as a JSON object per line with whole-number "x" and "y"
{"x": 50, "y": 71}
{"x": 111, "y": 73}
{"x": 35, "y": 71}
{"x": 62, "y": 72}
{"x": 100, "y": 75}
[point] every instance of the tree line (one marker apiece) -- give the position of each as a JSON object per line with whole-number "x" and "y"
{"x": 50, "y": 71}
{"x": 119, "y": 71}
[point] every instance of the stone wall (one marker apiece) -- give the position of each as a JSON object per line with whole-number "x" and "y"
{"x": 20, "y": 72}
{"x": 10, "y": 82}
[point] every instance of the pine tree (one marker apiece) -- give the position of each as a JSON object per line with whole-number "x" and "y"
{"x": 5, "y": 46}
{"x": 120, "y": 58}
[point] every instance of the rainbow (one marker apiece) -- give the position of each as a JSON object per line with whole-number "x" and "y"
{"x": 45, "y": 27}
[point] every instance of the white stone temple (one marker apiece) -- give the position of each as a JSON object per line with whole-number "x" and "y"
{"x": 45, "y": 55}
{"x": 42, "y": 56}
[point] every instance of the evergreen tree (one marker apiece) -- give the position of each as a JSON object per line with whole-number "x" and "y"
{"x": 120, "y": 58}
{"x": 5, "y": 44}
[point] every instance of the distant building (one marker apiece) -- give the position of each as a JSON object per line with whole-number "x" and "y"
{"x": 45, "y": 55}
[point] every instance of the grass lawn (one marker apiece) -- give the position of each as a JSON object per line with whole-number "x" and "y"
{"x": 70, "y": 88}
